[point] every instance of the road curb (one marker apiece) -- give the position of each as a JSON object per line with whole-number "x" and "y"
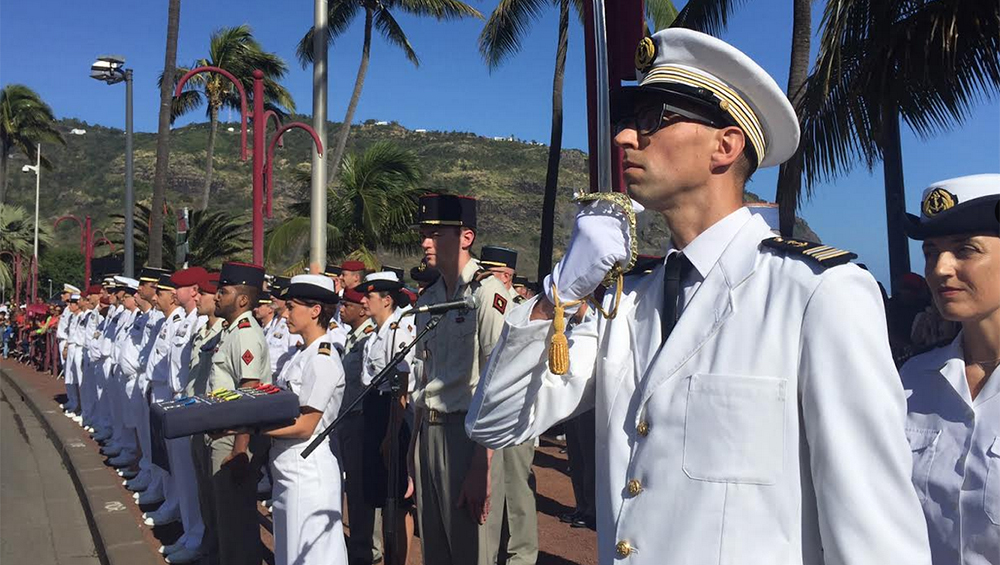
{"x": 117, "y": 538}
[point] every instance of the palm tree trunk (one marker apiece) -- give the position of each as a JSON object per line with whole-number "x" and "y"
{"x": 895, "y": 196}
{"x": 210, "y": 150}
{"x": 790, "y": 175}
{"x": 359, "y": 82}
{"x": 163, "y": 136}
{"x": 3, "y": 175}
{"x": 555, "y": 147}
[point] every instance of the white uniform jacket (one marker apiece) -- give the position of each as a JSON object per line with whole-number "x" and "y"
{"x": 956, "y": 455}
{"x": 769, "y": 429}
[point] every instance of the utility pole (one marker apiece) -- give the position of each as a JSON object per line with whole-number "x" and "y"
{"x": 317, "y": 209}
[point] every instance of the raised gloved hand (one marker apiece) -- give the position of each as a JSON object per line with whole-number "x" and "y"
{"x": 601, "y": 238}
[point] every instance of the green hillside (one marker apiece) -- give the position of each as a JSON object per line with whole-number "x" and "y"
{"x": 507, "y": 176}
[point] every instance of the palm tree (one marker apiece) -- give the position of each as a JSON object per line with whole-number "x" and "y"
{"x": 163, "y": 135}
{"x": 17, "y": 237}
{"x": 378, "y": 13}
{"x": 25, "y": 121}
{"x": 372, "y": 211}
{"x": 926, "y": 62}
{"x": 233, "y": 49}
{"x": 501, "y": 38}
{"x": 213, "y": 237}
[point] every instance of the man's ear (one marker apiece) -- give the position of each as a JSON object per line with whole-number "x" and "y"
{"x": 730, "y": 142}
{"x": 467, "y": 237}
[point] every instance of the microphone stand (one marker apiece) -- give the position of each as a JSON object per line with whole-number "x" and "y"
{"x": 389, "y": 373}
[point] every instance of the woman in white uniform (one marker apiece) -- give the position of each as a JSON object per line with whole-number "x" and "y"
{"x": 384, "y": 415}
{"x": 308, "y": 525}
{"x": 953, "y": 420}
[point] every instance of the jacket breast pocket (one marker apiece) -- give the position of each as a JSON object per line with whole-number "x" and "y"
{"x": 922, "y": 448}
{"x": 734, "y": 429}
{"x": 991, "y": 495}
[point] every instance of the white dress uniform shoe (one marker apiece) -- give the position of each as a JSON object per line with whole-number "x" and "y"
{"x": 148, "y": 497}
{"x": 186, "y": 555}
{"x": 172, "y": 548}
{"x": 158, "y": 518}
{"x": 77, "y": 418}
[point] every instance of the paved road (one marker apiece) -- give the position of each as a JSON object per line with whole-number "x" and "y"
{"x": 41, "y": 518}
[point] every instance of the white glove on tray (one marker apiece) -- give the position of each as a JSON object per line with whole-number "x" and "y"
{"x": 601, "y": 239}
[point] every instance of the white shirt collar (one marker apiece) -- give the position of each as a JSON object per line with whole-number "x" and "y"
{"x": 706, "y": 249}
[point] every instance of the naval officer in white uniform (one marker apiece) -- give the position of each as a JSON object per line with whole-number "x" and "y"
{"x": 748, "y": 410}
{"x": 308, "y": 526}
{"x": 953, "y": 391}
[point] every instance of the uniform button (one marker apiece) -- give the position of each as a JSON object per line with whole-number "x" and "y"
{"x": 642, "y": 429}
{"x": 624, "y": 548}
{"x": 634, "y": 487}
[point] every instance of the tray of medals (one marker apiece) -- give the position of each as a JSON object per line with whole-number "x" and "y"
{"x": 262, "y": 406}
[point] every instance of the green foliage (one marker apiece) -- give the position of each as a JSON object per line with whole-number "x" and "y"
{"x": 931, "y": 60}
{"x": 373, "y": 209}
{"x": 17, "y": 237}
{"x": 25, "y": 121}
{"x": 62, "y": 266}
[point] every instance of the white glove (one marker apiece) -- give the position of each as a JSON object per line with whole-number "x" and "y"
{"x": 601, "y": 239}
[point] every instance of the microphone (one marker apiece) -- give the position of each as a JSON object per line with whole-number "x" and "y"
{"x": 467, "y": 303}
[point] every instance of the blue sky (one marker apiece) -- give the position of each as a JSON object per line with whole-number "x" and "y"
{"x": 49, "y": 46}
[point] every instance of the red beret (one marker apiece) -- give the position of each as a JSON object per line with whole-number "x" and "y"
{"x": 94, "y": 289}
{"x": 353, "y": 295}
{"x": 105, "y": 301}
{"x": 189, "y": 277}
{"x": 210, "y": 285}
{"x": 352, "y": 266}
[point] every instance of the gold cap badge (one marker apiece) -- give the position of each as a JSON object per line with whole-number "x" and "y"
{"x": 938, "y": 201}
{"x": 645, "y": 54}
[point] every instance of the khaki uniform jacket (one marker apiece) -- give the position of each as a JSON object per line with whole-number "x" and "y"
{"x": 450, "y": 356}
{"x": 241, "y": 355}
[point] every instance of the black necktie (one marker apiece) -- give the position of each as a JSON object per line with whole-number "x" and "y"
{"x": 677, "y": 268}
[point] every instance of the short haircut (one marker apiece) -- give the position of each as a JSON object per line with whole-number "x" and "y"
{"x": 251, "y": 292}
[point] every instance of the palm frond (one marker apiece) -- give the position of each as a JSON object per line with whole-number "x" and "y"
{"x": 393, "y": 33}
{"x": 439, "y": 9}
{"x": 708, "y": 16}
{"x": 340, "y": 13}
{"x": 662, "y": 13}
{"x": 506, "y": 27}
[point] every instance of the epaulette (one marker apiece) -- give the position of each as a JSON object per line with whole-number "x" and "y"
{"x": 324, "y": 348}
{"x": 369, "y": 329}
{"x": 644, "y": 264}
{"x": 518, "y": 299}
{"x": 176, "y": 317}
{"x": 825, "y": 255}
{"x": 243, "y": 324}
{"x": 394, "y": 326}
{"x": 333, "y": 325}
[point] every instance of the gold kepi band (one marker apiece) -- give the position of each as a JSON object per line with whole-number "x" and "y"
{"x": 729, "y": 100}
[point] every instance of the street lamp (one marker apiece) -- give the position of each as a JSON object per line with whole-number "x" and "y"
{"x": 111, "y": 69}
{"x": 37, "y": 169}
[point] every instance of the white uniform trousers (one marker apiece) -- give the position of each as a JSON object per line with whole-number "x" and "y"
{"x": 104, "y": 385}
{"x": 88, "y": 388}
{"x": 73, "y": 380}
{"x": 171, "y": 496}
{"x": 308, "y": 521}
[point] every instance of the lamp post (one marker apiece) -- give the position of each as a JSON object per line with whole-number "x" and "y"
{"x": 259, "y": 167}
{"x": 37, "y": 169}
{"x": 111, "y": 69}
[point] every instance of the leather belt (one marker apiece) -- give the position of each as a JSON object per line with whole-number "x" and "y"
{"x": 436, "y": 418}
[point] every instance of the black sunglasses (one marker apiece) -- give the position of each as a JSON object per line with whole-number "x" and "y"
{"x": 647, "y": 121}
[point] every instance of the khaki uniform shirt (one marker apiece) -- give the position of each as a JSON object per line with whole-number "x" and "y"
{"x": 452, "y": 355}
{"x": 206, "y": 339}
{"x": 241, "y": 355}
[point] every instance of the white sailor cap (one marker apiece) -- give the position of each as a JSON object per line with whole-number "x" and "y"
{"x": 382, "y": 276}
{"x": 311, "y": 287}
{"x": 967, "y": 204}
{"x": 721, "y": 79}
{"x": 127, "y": 282}
{"x": 75, "y": 297}
{"x": 70, "y": 289}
